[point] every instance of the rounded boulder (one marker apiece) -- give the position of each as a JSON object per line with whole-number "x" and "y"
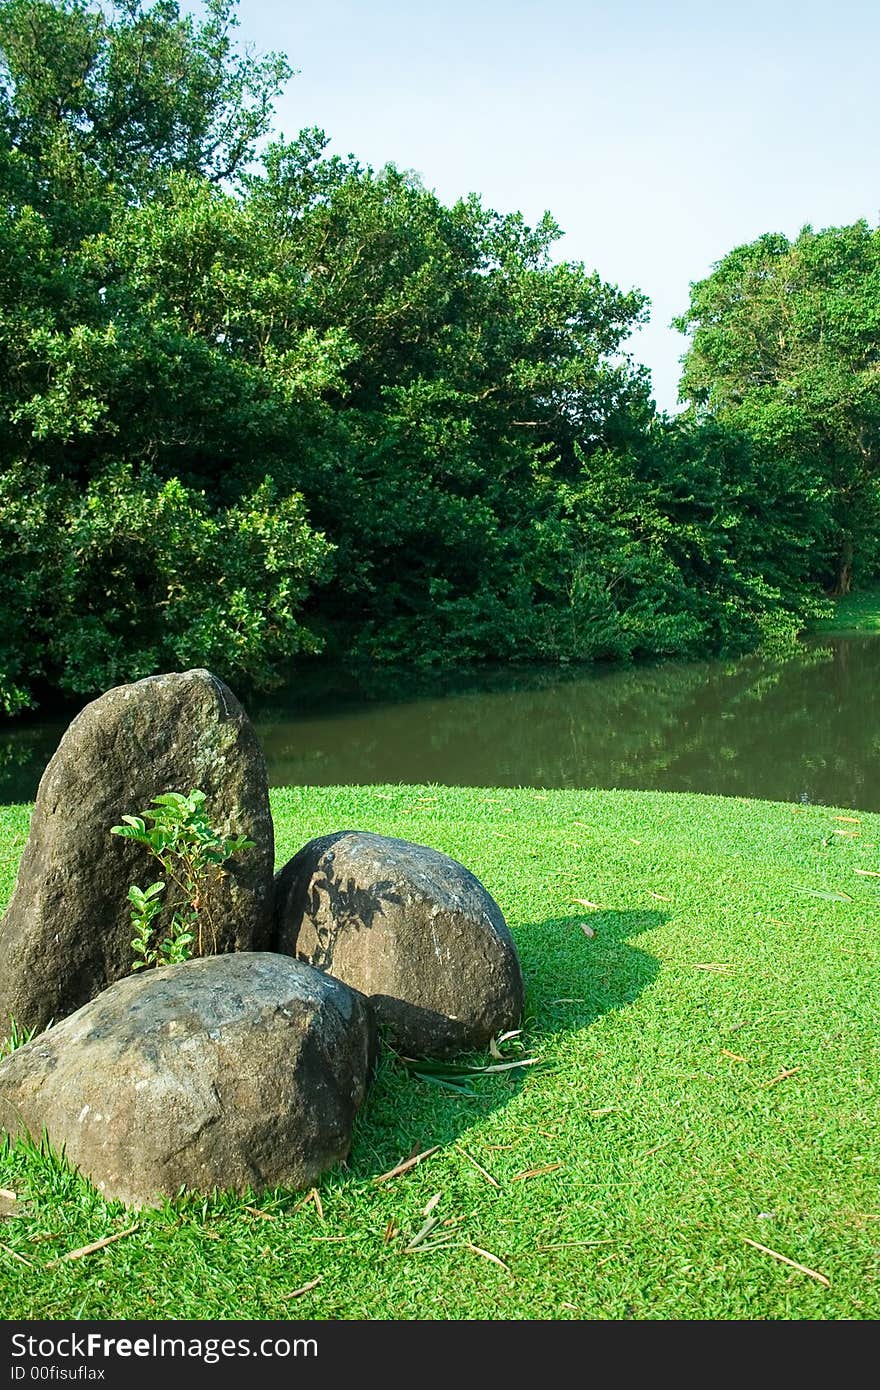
{"x": 240, "y": 1072}
{"x": 409, "y": 927}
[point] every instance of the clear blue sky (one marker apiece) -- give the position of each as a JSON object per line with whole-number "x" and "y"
{"x": 660, "y": 135}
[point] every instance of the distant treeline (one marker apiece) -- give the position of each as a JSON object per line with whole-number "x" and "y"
{"x": 258, "y": 401}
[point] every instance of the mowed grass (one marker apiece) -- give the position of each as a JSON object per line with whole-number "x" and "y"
{"x": 856, "y": 612}
{"x": 709, "y": 1079}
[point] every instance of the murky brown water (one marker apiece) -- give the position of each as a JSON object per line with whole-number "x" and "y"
{"x": 803, "y": 729}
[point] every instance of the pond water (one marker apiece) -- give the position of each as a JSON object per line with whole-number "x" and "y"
{"x": 806, "y": 728}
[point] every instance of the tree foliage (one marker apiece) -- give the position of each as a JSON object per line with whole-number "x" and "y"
{"x": 786, "y": 346}
{"x": 257, "y": 400}
{"x": 100, "y": 101}
{"x": 137, "y": 418}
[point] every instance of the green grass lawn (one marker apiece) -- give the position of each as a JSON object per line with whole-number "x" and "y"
{"x": 857, "y": 612}
{"x": 709, "y": 1085}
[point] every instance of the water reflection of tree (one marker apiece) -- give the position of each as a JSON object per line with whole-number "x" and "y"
{"x": 802, "y": 728}
{"x": 24, "y": 754}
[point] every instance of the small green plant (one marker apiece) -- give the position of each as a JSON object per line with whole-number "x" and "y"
{"x": 192, "y": 853}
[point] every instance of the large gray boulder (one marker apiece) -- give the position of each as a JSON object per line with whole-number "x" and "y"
{"x": 410, "y": 928}
{"x": 235, "y": 1072}
{"x": 67, "y": 933}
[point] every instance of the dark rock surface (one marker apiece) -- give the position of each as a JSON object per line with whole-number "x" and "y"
{"x": 67, "y": 933}
{"x": 410, "y": 928}
{"x": 238, "y": 1071}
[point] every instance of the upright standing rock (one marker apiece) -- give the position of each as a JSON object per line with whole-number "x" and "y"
{"x": 67, "y": 933}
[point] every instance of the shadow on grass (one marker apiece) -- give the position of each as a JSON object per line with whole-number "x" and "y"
{"x": 571, "y": 980}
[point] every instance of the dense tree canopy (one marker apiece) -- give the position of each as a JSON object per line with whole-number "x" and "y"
{"x": 786, "y": 345}
{"x": 258, "y": 401}
{"x": 102, "y": 101}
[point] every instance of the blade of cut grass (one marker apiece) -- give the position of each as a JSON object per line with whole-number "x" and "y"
{"x": 406, "y": 1165}
{"x": 495, "y": 1043}
{"x": 479, "y": 1167}
{"x": 793, "y": 1264}
{"x": 536, "y": 1172}
{"x": 663, "y": 1144}
{"x": 298, "y": 1293}
{"x": 828, "y": 895}
{"x": 783, "y": 1076}
{"x": 571, "y": 1244}
{"x": 487, "y": 1255}
{"x": 510, "y": 1066}
{"x": 15, "y": 1255}
{"x": 444, "y": 1082}
{"x": 313, "y": 1196}
{"x": 422, "y": 1235}
{"x": 449, "y": 1070}
{"x": 90, "y": 1249}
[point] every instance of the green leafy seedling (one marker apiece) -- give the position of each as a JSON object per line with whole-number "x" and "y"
{"x": 192, "y": 854}
{"x": 146, "y": 907}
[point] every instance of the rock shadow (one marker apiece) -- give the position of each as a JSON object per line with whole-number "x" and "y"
{"x": 571, "y": 980}
{"x": 574, "y": 976}
{"x": 350, "y": 905}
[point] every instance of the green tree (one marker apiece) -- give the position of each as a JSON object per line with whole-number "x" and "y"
{"x": 476, "y": 365}
{"x": 786, "y": 346}
{"x": 147, "y": 409}
{"x": 105, "y": 100}
{"x": 250, "y": 405}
